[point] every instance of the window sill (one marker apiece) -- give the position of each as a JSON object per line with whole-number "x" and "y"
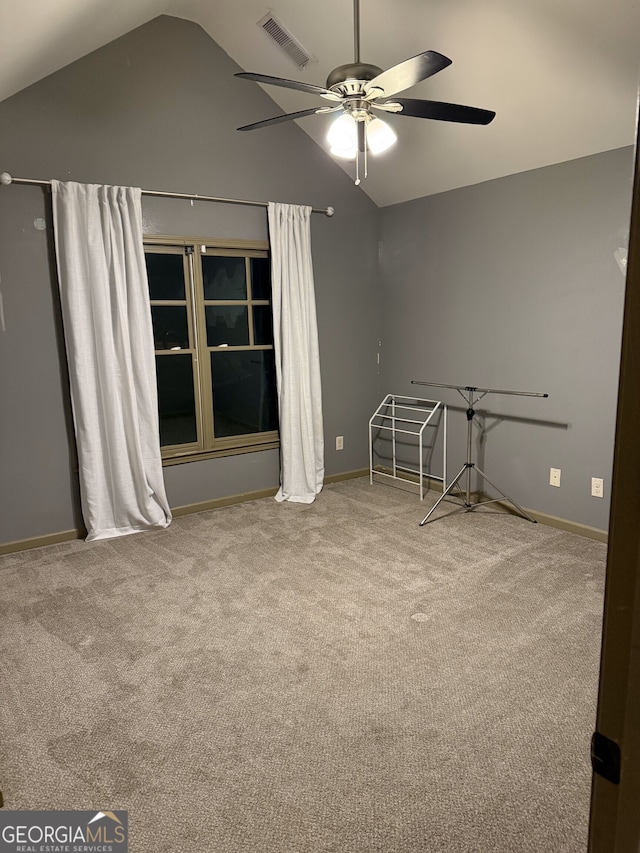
{"x": 200, "y": 455}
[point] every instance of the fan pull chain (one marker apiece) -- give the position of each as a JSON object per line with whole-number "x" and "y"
{"x": 366, "y": 161}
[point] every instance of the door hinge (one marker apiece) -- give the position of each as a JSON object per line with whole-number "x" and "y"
{"x": 605, "y": 757}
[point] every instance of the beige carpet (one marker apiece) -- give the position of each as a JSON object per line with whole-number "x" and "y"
{"x": 299, "y": 678}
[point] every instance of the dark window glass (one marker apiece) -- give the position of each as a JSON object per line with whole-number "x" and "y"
{"x": 244, "y": 392}
{"x": 170, "y": 329}
{"x": 227, "y": 324}
{"x": 176, "y": 399}
{"x": 262, "y": 324}
{"x": 224, "y": 278}
{"x": 261, "y": 278}
{"x": 166, "y": 276}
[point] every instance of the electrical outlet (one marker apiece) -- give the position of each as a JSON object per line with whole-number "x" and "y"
{"x": 597, "y": 487}
{"x": 554, "y": 476}
{"x": 339, "y": 442}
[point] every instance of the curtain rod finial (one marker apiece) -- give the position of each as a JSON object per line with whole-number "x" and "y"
{"x": 329, "y": 211}
{"x": 5, "y": 179}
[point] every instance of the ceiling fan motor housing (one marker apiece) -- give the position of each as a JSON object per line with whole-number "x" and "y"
{"x": 353, "y": 72}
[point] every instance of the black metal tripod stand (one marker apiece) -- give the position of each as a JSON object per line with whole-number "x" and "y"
{"x": 468, "y": 394}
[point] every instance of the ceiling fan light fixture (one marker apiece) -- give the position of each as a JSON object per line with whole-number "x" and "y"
{"x": 380, "y": 136}
{"x": 345, "y": 153}
{"x": 343, "y": 137}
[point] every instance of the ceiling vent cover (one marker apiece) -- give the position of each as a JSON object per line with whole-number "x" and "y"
{"x": 285, "y": 41}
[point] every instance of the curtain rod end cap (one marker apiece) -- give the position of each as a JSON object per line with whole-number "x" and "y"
{"x": 5, "y": 179}
{"x": 329, "y": 211}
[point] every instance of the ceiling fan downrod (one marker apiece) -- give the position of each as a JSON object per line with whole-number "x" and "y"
{"x": 356, "y": 30}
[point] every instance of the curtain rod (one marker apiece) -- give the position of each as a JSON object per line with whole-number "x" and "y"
{"x": 6, "y": 179}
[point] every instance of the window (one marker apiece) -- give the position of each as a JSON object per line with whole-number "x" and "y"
{"x": 212, "y": 327}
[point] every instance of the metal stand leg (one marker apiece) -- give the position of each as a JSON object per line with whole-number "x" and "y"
{"x": 466, "y": 503}
{"x": 448, "y": 491}
{"x": 466, "y": 468}
{"x": 506, "y": 497}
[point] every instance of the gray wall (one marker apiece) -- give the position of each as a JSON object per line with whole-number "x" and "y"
{"x": 159, "y": 108}
{"x": 513, "y": 284}
{"x": 508, "y": 284}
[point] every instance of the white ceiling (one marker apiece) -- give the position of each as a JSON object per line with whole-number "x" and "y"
{"x": 562, "y": 75}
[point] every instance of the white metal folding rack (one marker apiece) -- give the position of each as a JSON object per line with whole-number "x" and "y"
{"x": 409, "y": 416}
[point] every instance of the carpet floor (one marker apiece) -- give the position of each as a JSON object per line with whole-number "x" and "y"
{"x": 295, "y": 679}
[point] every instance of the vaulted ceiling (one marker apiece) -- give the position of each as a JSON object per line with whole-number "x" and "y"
{"x": 562, "y": 75}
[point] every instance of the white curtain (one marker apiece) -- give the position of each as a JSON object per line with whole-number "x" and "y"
{"x": 110, "y": 351}
{"x": 295, "y": 333}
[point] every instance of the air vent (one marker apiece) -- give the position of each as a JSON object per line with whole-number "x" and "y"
{"x": 285, "y": 41}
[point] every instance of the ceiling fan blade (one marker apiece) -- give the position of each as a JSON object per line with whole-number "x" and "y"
{"x": 408, "y": 73}
{"x": 443, "y": 112}
{"x": 278, "y": 119}
{"x": 289, "y": 84}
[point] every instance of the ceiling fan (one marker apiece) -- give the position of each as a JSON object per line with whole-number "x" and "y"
{"x": 358, "y": 90}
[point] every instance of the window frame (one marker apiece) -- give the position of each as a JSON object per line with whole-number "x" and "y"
{"x": 207, "y": 446}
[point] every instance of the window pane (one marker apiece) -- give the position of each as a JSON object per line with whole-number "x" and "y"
{"x": 262, "y": 324}
{"x": 224, "y": 278}
{"x": 176, "y": 399}
{"x": 261, "y": 278}
{"x": 170, "y": 329}
{"x": 166, "y": 276}
{"x": 244, "y": 392}
{"x": 227, "y": 324}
